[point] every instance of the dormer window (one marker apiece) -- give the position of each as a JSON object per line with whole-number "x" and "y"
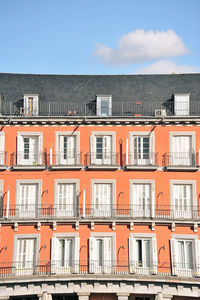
{"x": 181, "y": 104}
{"x": 31, "y": 103}
{"x": 104, "y": 105}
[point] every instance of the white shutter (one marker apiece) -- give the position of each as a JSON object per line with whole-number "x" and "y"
{"x": 54, "y": 254}
{"x": 107, "y": 255}
{"x": 133, "y": 150}
{"x": 154, "y": 256}
{"x": 152, "y": 200}
{"x": 1, "y": 198}
{"x": 98, "y": 107}
{"x": 26, "y": 105}
{"x": 107, "y": 150}
{"x": 71, "y": 150}
{"x": 132, "y": 255}
{"x": 35, "y": 106}
{"x": 197, "y": 257}
{"x": 110, "y": 106}
{"x": 35, "y": 156}
{"x": 30, "y": 254}
{"x": 20, "y": 149}
{"x": 60, "y": 154}
{"x": 174, "y": 256}
{"x": 181, "y": 105}
{"x": 92, "y": 256}
{"x": 93, "y": 149}
{"x": 76, "y": 254}
{"x": 151, "y": 150}
{"x": 2, "y": 148}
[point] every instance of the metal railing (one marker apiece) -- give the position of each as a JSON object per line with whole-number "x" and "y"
{"x": 181, "y": 159}
{"x": 3, "y": 158}
{"x": 100, "y": 211}
{"x": 141, "y": 159}
{"x": 102, "y": 158}
{"x": 65, "y": 159}
{"x": 103, "y": 268}
{"x": 121, "y": 107}
{"x": 23, "y": 158}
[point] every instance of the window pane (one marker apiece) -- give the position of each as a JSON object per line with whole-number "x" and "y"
{"x": 99, "y": 147}
{"x": 105, "y": 107}
{"x": 188, "y": 253}
{"x": 99, "y": 253}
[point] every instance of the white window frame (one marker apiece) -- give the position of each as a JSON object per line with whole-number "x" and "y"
{"x": 58, "y": 153}
{"x": 130, "y": 152}
{"x": 104, "y": 160}
{"x": 106, "y": 212}
{"x": 133, "y": 264}
{"x": 35, "y": 98}
{"x": 147, "y": 212}
{"x": 177, "y": 104}
{"x": 67, "y": 213}
{"x": 55, "y": 267}
{"x": 36, "y": 254}
{"x": 177, "y": 213}
{"x": 172, "y": 134}
{"x": 99, "y": 98}
{"x": 195, "y": 252}
{"x": 1, "y": 198}
{"x": 2, "y": 148}
{"x": 25, "y": 213}
{"x": 21, "y": 160}
{"x": 107, "y": 265}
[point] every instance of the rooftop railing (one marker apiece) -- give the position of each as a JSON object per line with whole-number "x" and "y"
{"x": 121, "y": 107}
{"x": 106, "y": 267}
{"x": 100, "y": 211}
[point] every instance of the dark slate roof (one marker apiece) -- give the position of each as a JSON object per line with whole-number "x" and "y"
{"x": 151, "y": 88}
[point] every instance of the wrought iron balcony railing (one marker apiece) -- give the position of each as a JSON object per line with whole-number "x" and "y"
{"x": 3, "y": 158}
{"x": 141, "y": 159}
{"x": 102, "y": 158}
{"x": 101, "y": 268}
{"x": 181, "y": 159}
{"x": 65, "y": 159}
{"x": 100, "y": 211}
{"x": 28, "y": 158}
{"x": 122, "y": 107}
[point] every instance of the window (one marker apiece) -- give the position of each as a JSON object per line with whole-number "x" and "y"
{"x": 26, "y": 249}
{"x": 104, "y": 106}
{"x": 67, "y": 148}
{"x": 28, "y": 198}
{"x": 66, "y": 198}
{"x": 141, "y": 149}
{"x": 182, "y": 104}
{"x": 183, "y": 201}
{"x": 103, "y": 198}
{"x": 182, "y": 149}
{"x": 29, "y": 148}
{"x": 185, "y": 255}
{"x": 143, "y": 253}
{"x": 102, "y": 147}
{"x": 2, "y": 147}
{"x": 142, "y": 198}
{"x": 65, "y": 253}
{"x": 101, "y": 252}
{"x": 31, "y": 105}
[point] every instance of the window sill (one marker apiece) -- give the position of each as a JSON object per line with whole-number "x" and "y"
{"x": 141, "y": 167}
{"x": 28, "y": 167}
{"x": 182, "y": 168}
{"x": 66, "y": 167}
{"x": 103, "y": 167}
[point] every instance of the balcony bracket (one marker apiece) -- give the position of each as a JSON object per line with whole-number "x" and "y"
{"x": 131, "y": 226}
{"x": 38, "y": 226}
{"x": 16, "y": 227}
{"x": 195, "y": 227}
{"x": 113, "y": 225}
{"x": 77, "y": 225}
{"x": 153, "y": 225}
{"x": 54, "y": 226}
{"x": 173, "y": 227}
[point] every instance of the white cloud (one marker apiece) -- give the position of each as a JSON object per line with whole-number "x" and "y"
{"x": 140, "y": 46}
{"x": 166, "y": 67}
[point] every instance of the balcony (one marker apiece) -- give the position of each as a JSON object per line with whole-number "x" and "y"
{"x": 141, "y": 161}
{"x": 28, "y": 160}
{"x": 102, "y": 161}
{"x": 89, "y": 268}
{"x": 120, "y": 107}
{"x": 101, "y": 211}
{"x": 178, "y": 161}
{"x": 62, "y": 161}
{"x": 3, "y": 160}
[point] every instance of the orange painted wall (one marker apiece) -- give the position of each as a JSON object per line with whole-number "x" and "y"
{"x": 122, "y": 178}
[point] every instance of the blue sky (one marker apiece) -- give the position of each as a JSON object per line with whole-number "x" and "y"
{"x": 99, "y": 37}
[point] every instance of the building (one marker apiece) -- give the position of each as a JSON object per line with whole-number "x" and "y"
{"x": 100, "y": 187}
